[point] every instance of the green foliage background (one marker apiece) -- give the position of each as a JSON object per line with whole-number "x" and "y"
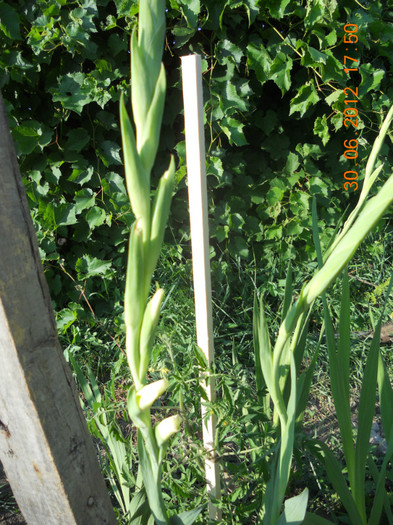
{"x": 274, "y": 79}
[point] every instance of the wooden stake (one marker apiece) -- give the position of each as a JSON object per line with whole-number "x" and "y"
{"x": 45, "y": 446}
{"x": 197, "y": 194}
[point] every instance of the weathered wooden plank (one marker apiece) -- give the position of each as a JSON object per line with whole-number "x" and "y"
{"x": 45, "y": 446}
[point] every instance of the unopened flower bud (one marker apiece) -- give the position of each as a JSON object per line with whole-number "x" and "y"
{"x": 166, "y": 428}
{"x": 146, "y": 396}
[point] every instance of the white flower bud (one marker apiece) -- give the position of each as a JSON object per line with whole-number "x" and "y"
{"x": 166, "y": 428}
{"x": 146, "y": 396}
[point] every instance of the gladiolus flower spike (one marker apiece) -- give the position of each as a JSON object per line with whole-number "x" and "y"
{"x": 141, "y": 315}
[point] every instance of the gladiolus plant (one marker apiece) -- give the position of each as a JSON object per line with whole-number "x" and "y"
{"x": 148, "y": 87}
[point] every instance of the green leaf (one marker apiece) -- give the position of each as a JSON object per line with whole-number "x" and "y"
{"x": 65, "y": 214}
{"x": 72, "y": 92}
{"x": 306, "y": 98}
{"x": 259, "y": 60}
{"x": 152, "y": 482}
{"x": 312, "y": 56}
{"x": 10, "y": 21}
{"x": 95, "y": 217}
{"x": 214, "y": 167}
{"x": 116, "y": 44}
{"x": 277, "y": 7}
{"x": 276, "y": 192}
{"x": 365, "y": 415}
{"x": 321, "y": 129}
{"x": 252, "y": 10}
{"x": 294, "y": 229}
{"x": 233, "y": 129}
{"x": 331, "y": 38}
{"x": 333, "y": 70}
{"x": 268, "y": 122}
{"x": 274, "y": 232}
{"x": 77, "y": 139}
{"x": 314, "y": 519}
{"x": 186, "y": 518}
{"x": 84, "y": 199}
{"x": 81, "y": 175}
{"x": 231, "y": 98}
{"x": 227, "y": 51}
{"x": 88, "y": 266}
{"x": 371, "y": 78}
{"x": 30, "y": 134}
{"x": 110, "y": 153}
{"x": 294, "y": 510}
{"x": 139, "y": 508}
{"x": 115, "y": 183}
{"x": 65, "y": 319}
{"x": 314, "y": 14}
{"x": 337, "y": 479}
{"x": 238, "y": 246}
{"x": 292, "y": 163}
{"x": 335, "y": 96}
{"x": 280, "y": 71}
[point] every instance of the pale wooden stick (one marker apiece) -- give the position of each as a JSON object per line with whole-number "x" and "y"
{"x": 197, "y": 194}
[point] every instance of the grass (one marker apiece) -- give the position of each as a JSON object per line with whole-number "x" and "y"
{"x": 243, "y": 431}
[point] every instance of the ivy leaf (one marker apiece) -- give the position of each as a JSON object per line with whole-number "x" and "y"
{"x": 312, "y": 56}
{"x": 81, "y": 175}
{"x": 259, "y": 60}
{"x": 30, "y": 134}
{"x": 117, "y": 44}
{"x": 65, "y": 214}
{"x": 321, "y": 129}
{"x": 227, "y": 51}
{"x": 274, "y": 232}
{"x": 277, "y": 8}
{"x": 306, "y": 98}
{"x": 65, "y": 319}
{"x": 333, "y": 69}
{"x": 214, "y": 167}
{"x": 294, "y": 229}
{"x": 334, "y": 97}
{"x": 95, "y": 217}
{"x": 252, "y": 10}
{"x": 77, "y": 139}
{"x": 276, "y": 192}
{"x": 231, "y": 99}
{"x": 307, "y": 150}
{"x": 191, "y": 9}
{"x": 371, "y": 79}
{"x": 277, "y": 145}
{"x": 292, "y": 163}
{"x": 238, "y": 247}
{"x": 318, "y": 185}
{"x": 88, "y": 266}
{"x": 115, "y": 183}
{"x": 233, "y": 129}
{"x": 313, "y": 15}
{"x": 269, "y": 121}
{"x": 72, "y": 93}
{"x": 299, "y": 203}
{"x": 10, "y": 22}
{"x": 280, "y": 71}
{"x": 331, "y": 38}
{"x": 337, "y": 121}
{"x": 110, "y": 153}
{"x": 84, "y": 199}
